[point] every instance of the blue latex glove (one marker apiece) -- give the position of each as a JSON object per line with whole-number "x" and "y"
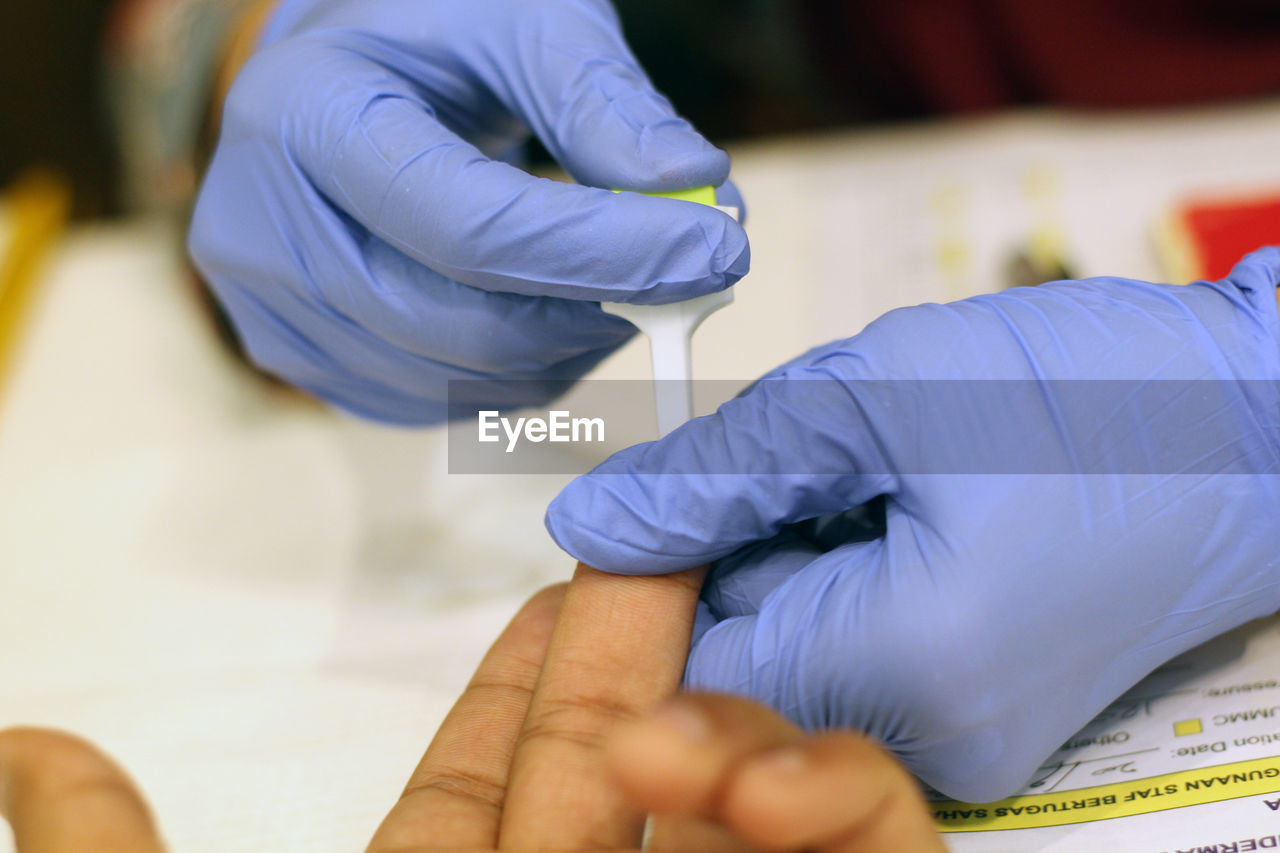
{"x": 1045, "y": 544}
{"x": 368, "y": 240}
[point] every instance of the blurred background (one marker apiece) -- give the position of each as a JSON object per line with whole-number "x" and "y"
{"x": 738, "y": 69}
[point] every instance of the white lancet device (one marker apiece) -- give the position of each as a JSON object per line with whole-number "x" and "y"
{"x": 670, "y": 329}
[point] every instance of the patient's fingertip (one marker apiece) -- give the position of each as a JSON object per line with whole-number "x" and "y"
{"x": 757, "y": 803}
{"x": 549, "y": 596}
{"x": 539, "y": 612}
{"x": 660, "y": 760}
{"x": 681, "y": 721}
{"x": 829, "y": 789}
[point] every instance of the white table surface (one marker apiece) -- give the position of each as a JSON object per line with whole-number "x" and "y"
{"x": 264, "y": 609}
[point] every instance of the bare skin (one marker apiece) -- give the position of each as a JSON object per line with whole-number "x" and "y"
{"x": 61, "y": 795}
{"x": 557, "y": 744}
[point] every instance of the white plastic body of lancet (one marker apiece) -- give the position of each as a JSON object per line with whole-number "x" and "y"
{"x": 670, "y": 329}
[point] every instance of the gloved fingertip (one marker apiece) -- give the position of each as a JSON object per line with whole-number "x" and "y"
{"x": 607, "y": 533}
{"x": 674, "y": 164}
{"x": 582, "y": 541}
{"x": 572, "y": 539}
{"x": 737, "y": 249}
{"x": 682, "y": 158}
{"x": 634, "y": 141}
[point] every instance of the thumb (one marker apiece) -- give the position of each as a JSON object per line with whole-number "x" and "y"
{"x": 584, "y": 94}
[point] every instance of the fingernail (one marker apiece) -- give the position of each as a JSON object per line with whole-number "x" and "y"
{"x": 686, "y": 721}
{"x": 784, "y": 762}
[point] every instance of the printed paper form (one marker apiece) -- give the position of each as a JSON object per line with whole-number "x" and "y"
{"x": 1188, "y": 760}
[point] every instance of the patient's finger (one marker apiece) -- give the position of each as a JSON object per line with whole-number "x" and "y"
{"x": 455, "y": 796}
{"x": 832, "y": 793}
{"x": 619, "y": 646}
{"x": 61, "y": 795}
{"x": 674, "y": 763}
{"x": 735, "y": 762}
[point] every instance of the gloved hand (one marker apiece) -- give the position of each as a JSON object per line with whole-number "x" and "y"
{"x": 368, "y": 240}
{"x": 1101, "y": 494}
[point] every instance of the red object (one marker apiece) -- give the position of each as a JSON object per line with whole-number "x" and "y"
{"x": 1220, "y": 231}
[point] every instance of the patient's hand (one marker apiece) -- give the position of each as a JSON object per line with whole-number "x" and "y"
{"x": 519, "y": 762}
{"x": 554, "y": 745}
{"x": 724, "y": 773}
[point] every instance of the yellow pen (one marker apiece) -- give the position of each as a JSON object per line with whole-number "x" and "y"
{"x": 39, "y": 201}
